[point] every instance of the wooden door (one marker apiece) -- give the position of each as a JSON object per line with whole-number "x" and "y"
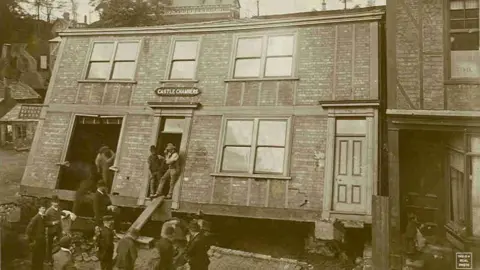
{"x": 350, "y": 174}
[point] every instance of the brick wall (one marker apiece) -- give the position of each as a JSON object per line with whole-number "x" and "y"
{"x": 420, "y": 61}
{"x": 332, "y": 63}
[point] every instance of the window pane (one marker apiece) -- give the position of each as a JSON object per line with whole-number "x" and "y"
{"x": 351, "y": 126}
{"x": 185, "y": 50}
{"x": 174, "y": 125}
{"x": 98, "y": 70}
{"x": 127, "y": 51}
{"x": 236, "y": 159}
{"x": 247, "y": 68}
{"x": 272, "y": 133}
{"x": 239, "y": 132}
{"x": 464, "y": 41}
{"x": 282, "y": 45}
{"x": 182, "y": 70}
{"x": 123, "y": 70}
{"x": 278, "y": 66}
{"x": 456, "y": 4}
{"x": 471, "y": 23}
{"x": 102, "y": 52}
{"x": 465, "y": 64}
{"x": 269, "y": 160}
{"x": 249, "y": 47}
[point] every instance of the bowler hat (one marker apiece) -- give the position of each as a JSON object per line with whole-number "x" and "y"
{"x": 65, "y": 242}
{"x": 107, "y": 218}
{"x": 55, "y": 199}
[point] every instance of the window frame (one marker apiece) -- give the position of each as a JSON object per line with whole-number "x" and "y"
{"x": 448, "y": 50}
{"x": 171, "y": 58}
{"x": 254, "y": 145}
{"x": 263, "y": 56}
{"x": 112, "y": 60}
{"x": 20, "y": 129}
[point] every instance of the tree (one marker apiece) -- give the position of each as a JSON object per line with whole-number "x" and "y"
{"x": 47, "y": 7}
{"x": 123, "y": 13}
{"x": 17, "y": 25}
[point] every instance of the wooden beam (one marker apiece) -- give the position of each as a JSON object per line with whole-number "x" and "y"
{"x": 381, "y": 233}
{"x": 147, "y": 213}
{"x": 301, "y": 215}
{"x": 391, "y": 38}
{"x": 394, "y": 194}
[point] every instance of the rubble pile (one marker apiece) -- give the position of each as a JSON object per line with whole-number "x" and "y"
{"x": 9, "y": 212}
{"x": 84, "y": 248}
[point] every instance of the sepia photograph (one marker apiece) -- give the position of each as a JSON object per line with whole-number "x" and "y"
{"x": 239, "y": 134}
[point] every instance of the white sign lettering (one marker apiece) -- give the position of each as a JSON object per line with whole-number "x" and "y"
{"x": 177, "y": 91}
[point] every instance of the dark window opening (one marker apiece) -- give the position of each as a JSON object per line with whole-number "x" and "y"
{"x": 21, "y": 132}
{"x": 88, "y": 135}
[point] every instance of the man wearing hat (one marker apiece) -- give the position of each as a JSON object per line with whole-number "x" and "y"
{"x": 36, "y": 238}
{"x": 155, "y": 166}
{"x": 53, "y": 217}
{"x": 197, "y": 249}
{"x": 105, "y": 244}
{"x": 127, "y": 251}
{"x": 102, "y": 205}
{"x": 172, "y": 160}
{"x": 63, "y": 259}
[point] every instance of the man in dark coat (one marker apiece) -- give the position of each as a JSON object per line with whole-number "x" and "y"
{"x": 105, "y": 244}
{"x": 127, "y": 251}
{"x": 155, "y": 165}
{"x": 63, "y": 259}
{"x": 197, "y": 249}
{"x": 166, "y": 250}
{"x": 53, "y": 217}
{"x": 37, "y": 238}
{"x": 102, "y": 205}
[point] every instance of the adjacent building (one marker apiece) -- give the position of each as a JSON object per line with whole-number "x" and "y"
{"x": 274, "y": 117}
{"x": 433, "y": 119}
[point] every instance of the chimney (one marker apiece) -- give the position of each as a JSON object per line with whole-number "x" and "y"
{"x": 66, "y": 16}
{"x": 324, "y": 5}
{"x": 85, "y": 19}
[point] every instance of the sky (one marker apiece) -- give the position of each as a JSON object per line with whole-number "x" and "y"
{"x": 249, "y": 7}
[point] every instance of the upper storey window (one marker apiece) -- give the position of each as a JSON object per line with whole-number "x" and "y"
{"x": 184, "y": 60}
{"x": 260, "y": 57}
{"x": 464, "y": 39}
{"x": 113, "y": 61}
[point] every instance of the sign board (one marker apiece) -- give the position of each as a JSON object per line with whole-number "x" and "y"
{"x": 177, "y": 91}
{"x": 465, "y": 64}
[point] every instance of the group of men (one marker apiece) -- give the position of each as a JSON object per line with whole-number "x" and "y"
{"x": 163, "y": 169}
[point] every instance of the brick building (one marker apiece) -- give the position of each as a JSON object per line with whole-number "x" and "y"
{"x": 433, "y": 140}
{"x": 274, "y": 117}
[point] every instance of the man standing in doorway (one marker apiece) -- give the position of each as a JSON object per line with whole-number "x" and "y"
{"x": 104, "y": 160}
{"x": 155, "y": 167}
{"x": 173, "y": 163}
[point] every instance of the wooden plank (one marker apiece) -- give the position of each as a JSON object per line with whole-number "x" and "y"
{"x": 381, "y": 233}
{"x": 144, "y": 241}
{"x": 394, "y": 192}
{"x": 147, "y": 213}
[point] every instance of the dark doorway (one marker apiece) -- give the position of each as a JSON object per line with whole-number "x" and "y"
{"x": 89, "y": 134}
{"x": 171, "y": 131}
{"x": 422, "y": 178}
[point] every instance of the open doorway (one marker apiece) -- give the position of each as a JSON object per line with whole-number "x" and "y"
{"x": 88, "y": 135}
{"x": 171, "y": 131}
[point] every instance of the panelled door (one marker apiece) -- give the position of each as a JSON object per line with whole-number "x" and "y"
{"x": 350, "y": 175}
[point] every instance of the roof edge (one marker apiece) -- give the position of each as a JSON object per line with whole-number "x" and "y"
{"x": 341, "y": 17}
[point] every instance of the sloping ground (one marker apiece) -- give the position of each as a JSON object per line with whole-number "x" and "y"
{"x": 12, "y": 165}
{"x": 228, "y": 259}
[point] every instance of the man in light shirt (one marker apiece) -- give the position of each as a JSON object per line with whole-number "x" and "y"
{"x": 171, "y": 175}
{"x": 104, "y": 160}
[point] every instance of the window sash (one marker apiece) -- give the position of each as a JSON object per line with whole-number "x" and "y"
{"x": 253, "y": 147}
{"x": 264, "y": 57}
{"x": 112, "y": 61}
{"x": 178, "y": 59}
{"x": 464, "y": 27}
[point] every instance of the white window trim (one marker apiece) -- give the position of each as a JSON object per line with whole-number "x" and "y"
{"x": 263, "y": 57}
{"x": 371, "y": 136}
{"x": 250, "y": 174}
{"x": 112, "y": 60}
{"x": 170, "y": 59}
